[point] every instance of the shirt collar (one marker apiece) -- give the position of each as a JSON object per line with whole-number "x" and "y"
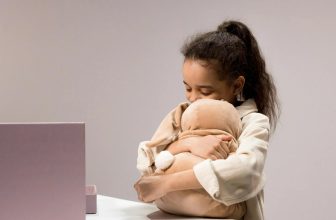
{"x": 247, "y": 107}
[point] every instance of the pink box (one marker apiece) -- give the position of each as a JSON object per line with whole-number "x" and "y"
{"x": 42, "y": 167}
{"x": 91, "y": 199}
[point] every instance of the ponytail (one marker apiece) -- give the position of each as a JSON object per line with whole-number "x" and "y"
{"x": 235, "y": 52}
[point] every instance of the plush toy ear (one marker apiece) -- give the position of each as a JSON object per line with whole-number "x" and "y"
{"x": 169, "y": 127}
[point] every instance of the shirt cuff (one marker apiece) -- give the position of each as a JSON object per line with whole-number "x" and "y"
{"x": 207, "y": 178}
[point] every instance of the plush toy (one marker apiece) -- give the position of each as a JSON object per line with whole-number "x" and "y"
{"x": 202, "y": 117}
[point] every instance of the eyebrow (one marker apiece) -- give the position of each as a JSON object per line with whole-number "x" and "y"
{"x": 200, "y": 86}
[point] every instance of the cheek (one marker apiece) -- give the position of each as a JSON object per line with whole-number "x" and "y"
{"x": 187, "y": 95}
{"x": 228, "y": 97}
{"x": 215, "y": 96}
{"x": 226, "y": 94}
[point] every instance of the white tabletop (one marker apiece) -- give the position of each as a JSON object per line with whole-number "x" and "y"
{"x": 109, "y": 208}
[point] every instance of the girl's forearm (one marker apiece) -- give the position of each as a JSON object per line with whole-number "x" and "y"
{"x": 182, "y": 181}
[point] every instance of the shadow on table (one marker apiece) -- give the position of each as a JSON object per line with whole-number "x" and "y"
{"x": 162, "y": 215}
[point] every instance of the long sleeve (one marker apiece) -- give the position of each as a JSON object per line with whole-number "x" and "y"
{"x": 239, "y": 177}
{"x": 145, "y": 159}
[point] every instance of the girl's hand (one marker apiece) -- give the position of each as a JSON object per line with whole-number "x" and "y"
{"x": 150, "y": 188}
{"x": 211, "y": 146}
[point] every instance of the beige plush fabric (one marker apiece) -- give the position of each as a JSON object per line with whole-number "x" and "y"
{"x": 203, "y": 117}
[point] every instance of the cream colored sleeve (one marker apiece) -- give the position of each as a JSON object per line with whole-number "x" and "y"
{"x": 146, "y": 158}
{"x": 240, "y": 176}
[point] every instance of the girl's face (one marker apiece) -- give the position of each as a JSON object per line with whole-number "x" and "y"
{"x": 203, "y": 83}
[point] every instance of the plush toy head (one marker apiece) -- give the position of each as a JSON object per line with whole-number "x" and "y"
{"x": 210, "y": 114}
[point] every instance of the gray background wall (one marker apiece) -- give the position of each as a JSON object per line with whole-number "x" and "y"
{"x": 116, "y": 65}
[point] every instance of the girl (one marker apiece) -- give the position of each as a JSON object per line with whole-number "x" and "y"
{"x": 222, "y": 64}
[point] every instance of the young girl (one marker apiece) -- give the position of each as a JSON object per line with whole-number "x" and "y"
{"x": 222, "y": 64}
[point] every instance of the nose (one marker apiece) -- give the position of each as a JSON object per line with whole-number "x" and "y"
{"x": 193, "y": 96}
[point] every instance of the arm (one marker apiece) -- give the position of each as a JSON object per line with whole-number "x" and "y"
{"x": 240, "y": 176}
{"x": 150, "y": 188}
{"x": 179, "y": 146}
{"x": 182, "y": 181}
{"x": 210, "y": 146}
{"x": 146, "y": 155}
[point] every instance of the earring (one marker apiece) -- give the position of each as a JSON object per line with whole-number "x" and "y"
{"x": 240, "y": 97}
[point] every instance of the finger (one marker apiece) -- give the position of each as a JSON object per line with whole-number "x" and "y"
{"x": 140, "y": 197}
{"x": 213, "y": 157}
{"x": 225, "y": 147}
{"x": 217, "y": 155}
{"x": 136, "y": 183}
{"x": 226, "y": 137}
{"x": 222, "y": 152}
{"x": 220, "y": 136}
{"x": 138, "y": 192}
{"x": 148, "y": 201}
{"x": 220, "y": 155}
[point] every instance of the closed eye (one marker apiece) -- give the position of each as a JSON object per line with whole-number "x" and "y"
{"x": 206, "y": 92}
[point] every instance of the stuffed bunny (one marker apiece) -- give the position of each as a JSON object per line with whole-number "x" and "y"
{"x": 202, "y": 117}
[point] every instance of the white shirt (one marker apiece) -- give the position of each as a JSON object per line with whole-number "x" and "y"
{"x": 238, "y": 178}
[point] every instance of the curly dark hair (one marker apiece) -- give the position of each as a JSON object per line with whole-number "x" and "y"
{"x": 232, "y": 51}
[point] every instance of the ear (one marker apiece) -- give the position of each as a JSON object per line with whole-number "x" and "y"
{"x": 239, "y": 84}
